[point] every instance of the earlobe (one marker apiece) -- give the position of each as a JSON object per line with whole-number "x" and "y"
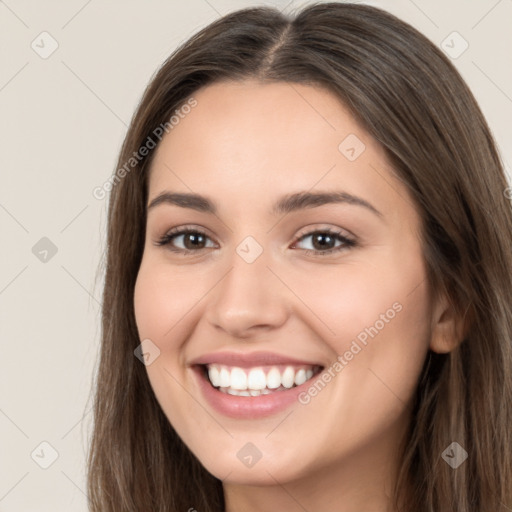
{"x": 449, "y": 328}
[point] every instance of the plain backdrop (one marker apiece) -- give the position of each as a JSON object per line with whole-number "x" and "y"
{"x": 71, "y": 74}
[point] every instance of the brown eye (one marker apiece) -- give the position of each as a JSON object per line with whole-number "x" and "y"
{"x": 194, "y": 240}
{"x": 323, "y": 242}
{"x": 191, "y": 239}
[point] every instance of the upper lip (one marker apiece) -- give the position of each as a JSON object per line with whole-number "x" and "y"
{"x": 250, "y": 359}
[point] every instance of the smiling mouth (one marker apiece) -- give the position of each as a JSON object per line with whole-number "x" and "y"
{"x": 257, "y": 381}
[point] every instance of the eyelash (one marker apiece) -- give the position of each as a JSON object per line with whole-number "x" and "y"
{"x": 347, "y": 242}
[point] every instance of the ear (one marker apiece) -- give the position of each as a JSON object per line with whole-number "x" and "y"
{"x": 448, "y": 327}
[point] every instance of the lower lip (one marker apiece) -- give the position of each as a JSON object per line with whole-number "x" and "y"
{"x": 248, "y": 407}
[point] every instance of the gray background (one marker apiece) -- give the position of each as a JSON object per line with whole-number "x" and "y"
{"x": 63, "y": 119}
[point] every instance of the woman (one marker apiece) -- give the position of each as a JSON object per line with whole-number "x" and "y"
{"x": 307, "y": 301}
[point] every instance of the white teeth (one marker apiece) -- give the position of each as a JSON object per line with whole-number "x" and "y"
{"x": 254, "y": 382}
{"x": 214, "y": 374}
{"x": 300, "y": 377}
{"x": 250, "y": 392}
{"x": 238, "y": 379}
{"x": 273, "y": 378}
{"x": 256, "y": 379}
{"x": 224, "y": 378}
{"x": 288, "y": 378}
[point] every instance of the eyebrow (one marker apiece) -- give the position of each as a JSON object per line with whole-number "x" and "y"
{"x": 286, "y": 204}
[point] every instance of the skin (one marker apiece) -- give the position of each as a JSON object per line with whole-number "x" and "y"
{"x": 245, "y": 145}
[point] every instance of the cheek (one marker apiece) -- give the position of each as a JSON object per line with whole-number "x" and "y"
{"x": 376, "y": 321}
{"x": 163, "y": 301}
{"x": 381, "y": 339}
{"x": 164, "y": 312}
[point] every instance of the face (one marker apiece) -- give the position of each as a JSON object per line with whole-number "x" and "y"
{"x": 310, "y": 313}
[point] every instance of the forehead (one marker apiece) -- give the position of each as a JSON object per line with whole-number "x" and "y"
{"x": 253, "y": 119}
{"x": 251, "y": 139}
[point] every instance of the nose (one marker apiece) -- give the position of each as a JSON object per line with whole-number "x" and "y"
{"x": 249, "y": 300}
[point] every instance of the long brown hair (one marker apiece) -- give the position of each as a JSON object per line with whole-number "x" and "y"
{"x": 411, "y": 99}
